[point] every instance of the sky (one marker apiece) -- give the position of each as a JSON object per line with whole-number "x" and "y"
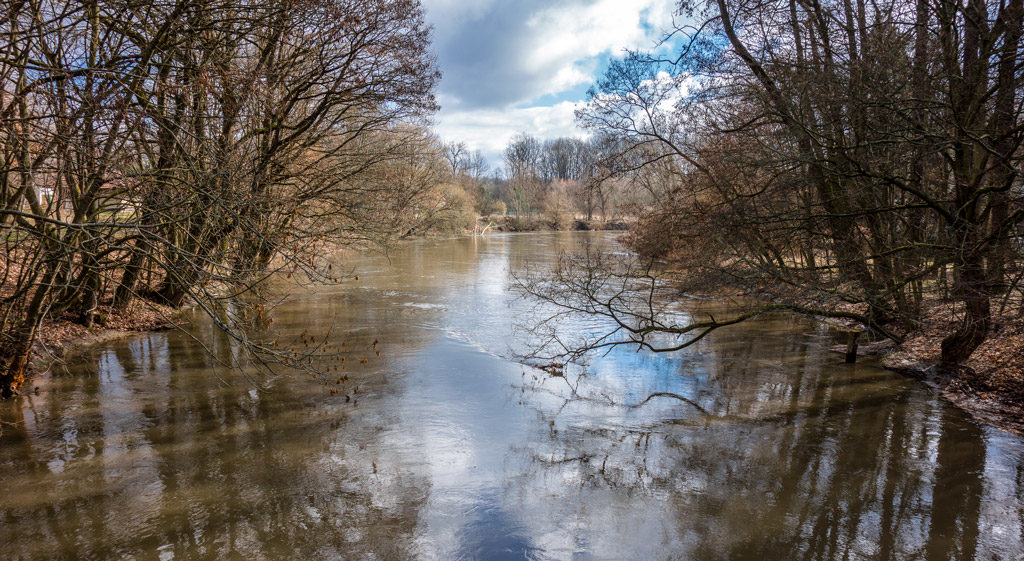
{"x": 525, "y": 65}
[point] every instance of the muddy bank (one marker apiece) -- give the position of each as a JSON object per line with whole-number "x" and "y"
{"x": 985, "y": 397}
{"x": 989, "y": 386}
{"x": 62, "y": 339}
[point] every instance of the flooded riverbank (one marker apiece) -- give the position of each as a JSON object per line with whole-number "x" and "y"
{"x": 442, "y": 448}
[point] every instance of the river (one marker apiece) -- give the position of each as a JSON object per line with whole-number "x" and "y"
{"x": 443, "y": 448}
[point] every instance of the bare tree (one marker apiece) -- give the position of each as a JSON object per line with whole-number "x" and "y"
{"x": 564, "y": 158}
{"x": 177, "y": 151}
{"x": 457, "y": 156}
{"x": 522, "y": 161}
{"x": 477, "y": 166}
{"x": 791, "y": 157}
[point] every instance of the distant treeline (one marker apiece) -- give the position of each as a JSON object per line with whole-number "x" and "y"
{"x": 549, "y": 183}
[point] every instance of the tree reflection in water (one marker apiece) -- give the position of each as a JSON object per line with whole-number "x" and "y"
{"x": 449, "y": 451}
{"x": 799, "y": 458}
{"x": 212, "y": 470}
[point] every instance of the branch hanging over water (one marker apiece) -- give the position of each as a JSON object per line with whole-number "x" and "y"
{"x": 596, "y": 301}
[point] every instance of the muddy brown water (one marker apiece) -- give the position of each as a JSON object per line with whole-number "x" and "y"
{"x": 442, "y": 448}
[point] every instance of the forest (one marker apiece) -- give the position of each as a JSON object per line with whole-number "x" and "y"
{"x": 179, "y": 151}
{"x": 851, "y": 160}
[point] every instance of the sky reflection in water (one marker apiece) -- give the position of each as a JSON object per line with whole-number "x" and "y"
{"x": 450, "y": 451}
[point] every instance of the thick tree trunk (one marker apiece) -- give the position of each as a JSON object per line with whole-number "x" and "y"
{"x": 977, "y": 322}
{"x": 129, "y": 279}
{"x": 171, "y": 292}
{"x": 1003, "y": 123}
{"x": 13, "y": 370}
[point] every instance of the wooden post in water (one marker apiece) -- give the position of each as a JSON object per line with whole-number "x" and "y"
{"x": 851, "y": 347}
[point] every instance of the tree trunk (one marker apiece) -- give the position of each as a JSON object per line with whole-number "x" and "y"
{"x": 126, "y": 288}
{"x": 12, "y": 374}
{"x": 974, "y": 329}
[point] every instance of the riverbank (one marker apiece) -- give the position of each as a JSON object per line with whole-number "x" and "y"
{"x": 61, "y": 339}
{"x": 989, "y": 386}
{"x": 541, "y": 223}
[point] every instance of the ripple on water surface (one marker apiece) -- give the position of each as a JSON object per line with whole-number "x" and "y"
{"x": 758, "y": 443}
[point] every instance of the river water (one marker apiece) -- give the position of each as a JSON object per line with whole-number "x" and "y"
{"x": 442, "y": 448}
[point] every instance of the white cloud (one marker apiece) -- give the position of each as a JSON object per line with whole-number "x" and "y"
{"x": 499, "y": 58}
{"x": 568, "y": 38}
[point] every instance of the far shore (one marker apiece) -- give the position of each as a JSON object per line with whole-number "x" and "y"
{"x": 544, "y": 222}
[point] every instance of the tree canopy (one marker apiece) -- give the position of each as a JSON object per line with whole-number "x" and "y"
{"x": 858, "y": 160}
{"x": 171, "y": 151}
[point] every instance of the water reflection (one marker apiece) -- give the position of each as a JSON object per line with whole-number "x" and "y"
{"x": 153, "y": 464}
{"x": 442, "y": 449}
{"x": 803, "y": 458}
